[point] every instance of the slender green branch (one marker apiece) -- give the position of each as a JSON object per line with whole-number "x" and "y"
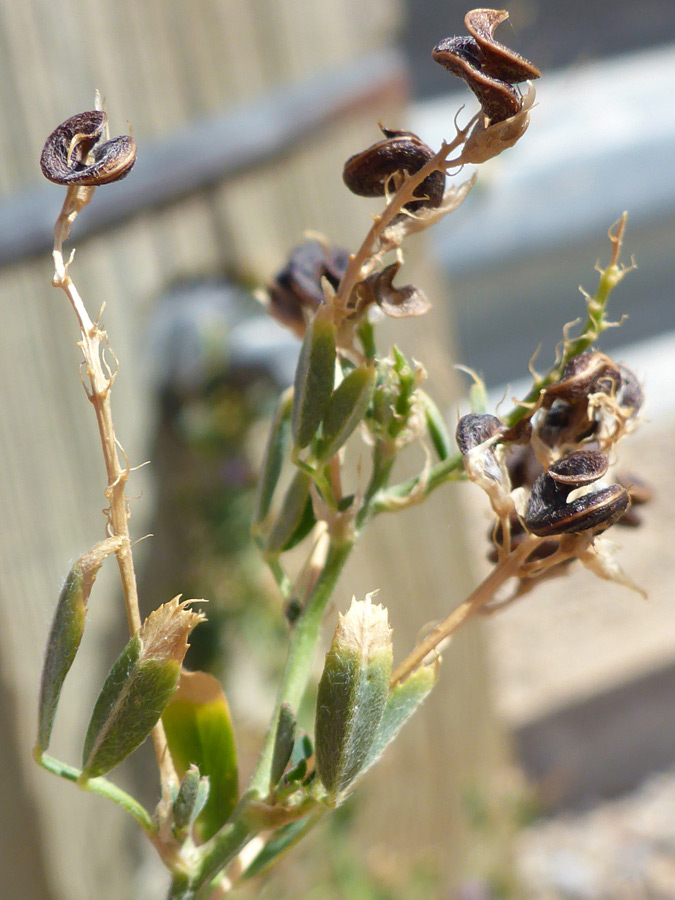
{"x": 596, "y": 322}
{"x": 100, "y": 786}
{"x": 419, "y": 486}
{"x": 224, "y": 846}
{"x": 301, "y": 652}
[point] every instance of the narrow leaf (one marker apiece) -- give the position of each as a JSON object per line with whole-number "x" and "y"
{"x": 199, "y": 732}
{"x": 438, "y": 433}
{"x": 347, "y": 407}
{"x": 314, "y": 379}
{"x": 278, "y": 444}
{"x": 352, "y": 695}
{"x": 402, "y": 702}
{"x": 291, "y": 515}
{"x": 66, "y": 632}
{"x": 283, "y": 743}
{"x": 138, "y": 688}
{"x": 282, "y": 839}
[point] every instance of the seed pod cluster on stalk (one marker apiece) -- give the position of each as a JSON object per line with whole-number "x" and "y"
{"x": 546, "y": 477}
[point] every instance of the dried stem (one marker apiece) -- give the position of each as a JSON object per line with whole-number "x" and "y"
{"x": 470, "y": 607}
{"x": 100, "y": 382}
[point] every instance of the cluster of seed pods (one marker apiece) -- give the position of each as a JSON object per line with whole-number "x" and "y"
{"x": 558, "y": 456}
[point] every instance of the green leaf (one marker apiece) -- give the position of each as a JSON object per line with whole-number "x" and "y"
{"x": 282, "y": 839}
{"x": 401, "y": 703}
{"x": 314, "y": 380}
{"x": 126, "y": 710}
{"x": 292, "y": 516}
{"x": 278, "y": 444}
{"x": 138, "y": 688}
{"x": 66, "y": 633}
{"x": 347, "y": 407}
{"x": 352, "y": 695}
{"x": 199, "y": 732}
{"x": 283, "y": 743}
{"x": 436, "y": 428}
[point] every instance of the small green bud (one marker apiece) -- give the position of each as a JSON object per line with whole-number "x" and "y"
{"x": 436, "y": 429}
{"x": 66, "y": 632}
{"x": 276, "y": 451}
{"x": 283, "y": 743}
{"x": 190, "y": 801}
{"x": 314, "y": 379}
{"x": 138, "y": 688}
{"x": 352, "y": 695}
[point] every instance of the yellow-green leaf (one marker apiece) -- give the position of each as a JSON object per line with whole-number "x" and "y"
{"x": 199, "y": 731}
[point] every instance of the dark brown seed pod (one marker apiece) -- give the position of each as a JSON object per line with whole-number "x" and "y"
{"x": 629, "y": 394}
{"x": 587, "y": 373}
{"x": 72, "y": 154}
{"x": 474, "y": 429}
{"x": 370, "y": 173}
{"x": 489, "y": 68}
{"x": 296, "y": 290}
{"x": 548, "y": 511}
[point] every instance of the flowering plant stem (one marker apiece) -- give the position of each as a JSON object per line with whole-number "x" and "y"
{"x": 101, "y": 378}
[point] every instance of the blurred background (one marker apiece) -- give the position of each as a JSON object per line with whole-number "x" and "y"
{"x": 542, "y": 766}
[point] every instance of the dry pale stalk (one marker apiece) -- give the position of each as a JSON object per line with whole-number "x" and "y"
{"x": 101, "y": 378}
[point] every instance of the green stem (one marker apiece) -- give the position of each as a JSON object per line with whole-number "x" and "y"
{"x": 224, "y": 846}
{"x": 100, "y": 786}
{"x": 300, "y": 657}
{"x": 450, "y": 469}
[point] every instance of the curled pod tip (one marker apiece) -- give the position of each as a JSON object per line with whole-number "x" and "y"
{"x": 549, "y": 512}
{"x": 579, "y": 468}
{"x": 489, "y": 68}
{"x": 497, "y": 59}
{"x": 73, "y": 154}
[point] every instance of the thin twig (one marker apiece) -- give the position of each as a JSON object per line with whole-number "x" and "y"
{"x": 477, "y": 599}
{"x": 98, "y": 392}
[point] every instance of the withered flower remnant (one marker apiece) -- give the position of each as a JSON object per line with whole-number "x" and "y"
{"x": 373, "y": 171}
{"x": 296, "y": 291}
{"x": 594, "y": 398}
{"x": 396, "y": 302}
{"x": 72, "y": 154}
{"x": 489, "y": 68}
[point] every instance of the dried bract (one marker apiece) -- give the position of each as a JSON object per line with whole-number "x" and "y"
{"x": 396, "y": 302}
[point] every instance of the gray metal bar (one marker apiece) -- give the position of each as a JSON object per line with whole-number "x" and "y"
{"x": 206, "y": 152}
